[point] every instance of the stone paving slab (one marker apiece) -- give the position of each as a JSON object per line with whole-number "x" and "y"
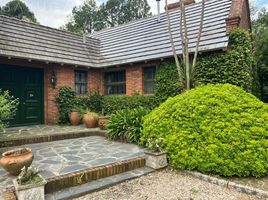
{"x": 98, "y": 184}
{"x": 66, "y": 156}
{"x": 38, "y": 130}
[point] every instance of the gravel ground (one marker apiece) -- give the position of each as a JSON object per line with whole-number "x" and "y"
{"x": 167, "y": 185}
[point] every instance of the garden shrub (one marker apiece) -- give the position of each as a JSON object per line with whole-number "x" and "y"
{"x": 8, "y": 107}
{"x": 92, "y": 101}
{"x": 126, "y": 124}
{"x": 219, "y": 129}
{"x": 111, "y": 104}
{"x": 67, "y": 100}
{"x": 234, "y": 66}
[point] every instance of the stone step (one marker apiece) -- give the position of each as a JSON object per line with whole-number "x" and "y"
{"x": 94, "y": 173}
{"x": 92, "y": 186}
{"x": 32, "y": 139}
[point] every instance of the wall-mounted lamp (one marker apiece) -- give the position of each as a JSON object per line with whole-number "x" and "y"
{"x": 53, "y": 79}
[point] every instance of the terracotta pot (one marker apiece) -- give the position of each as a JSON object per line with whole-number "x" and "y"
{"x": 102, "y": 122}
{"x": 14, "y": 160}
{"x": 75, "y": 118}
{"x": 90, "y": 121}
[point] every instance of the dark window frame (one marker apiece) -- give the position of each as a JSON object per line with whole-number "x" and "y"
{"x": 114, "y": 84}
{"x": 80, "y": 83}
{"x": 148, "y": 81}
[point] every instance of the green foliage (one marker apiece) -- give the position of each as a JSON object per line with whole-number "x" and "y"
{"x": 154, "y": 145}
{"x": 19, "y": 10}
{"x": 233, "y": 66}
{"x": 219, "y": 129}
{"x": 66, "y": 101}
{"x": 260, "y": 33}
{"x": 92, "y": 101}
{"x": 167, "y": 81}
{"x": 8, "y": 107}
{"x": 112, "y": 104}
{"x": 126, "y": 124}
{"x": 90, "y": 17}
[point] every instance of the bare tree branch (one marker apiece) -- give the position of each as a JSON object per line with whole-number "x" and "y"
{"x": 182, "y": 36}
{"x": 199, "y": 35}
{"x": 172, "y": 44}
{"x": 186, "y": 46}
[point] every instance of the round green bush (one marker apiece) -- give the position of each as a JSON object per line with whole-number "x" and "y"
{"x": 218, "y": 129}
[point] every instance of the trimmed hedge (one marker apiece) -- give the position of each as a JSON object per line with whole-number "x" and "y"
{"x": 219, "y": 129}
{"x": 67, "y": 100}
{"x": 111, "y": 104}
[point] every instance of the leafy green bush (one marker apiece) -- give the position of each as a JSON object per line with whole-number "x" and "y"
{"x": 66, "y": 101}
{"x": 8, "y": 107}
{"x": 126, "y": 124}
{"x": 218, "y": 129}
{"x": 111, "y": 104}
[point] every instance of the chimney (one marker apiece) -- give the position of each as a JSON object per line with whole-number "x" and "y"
{"x": 176, "y": 5}
{"x": 158, "y": 10}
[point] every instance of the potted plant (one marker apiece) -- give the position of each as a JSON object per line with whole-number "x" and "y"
{"x": 75, "y": 117}
{"x": 90, "y": 119}
{"x": 14, "y": 160}
{"x": 103, "y": 121}
{"x": 156, "y": 158}
{"x": 30, "y": 185}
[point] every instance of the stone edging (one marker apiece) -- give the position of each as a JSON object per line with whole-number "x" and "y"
{"x": 229, "y": 184}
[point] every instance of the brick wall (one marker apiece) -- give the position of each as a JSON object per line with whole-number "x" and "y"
{"x": 65, "y": 77}
{"x": 239, "y": 15}
{"x": 95, "y": 81}
{"x": 134, "y": 80}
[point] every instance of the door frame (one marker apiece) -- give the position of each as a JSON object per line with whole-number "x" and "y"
{"x": 42, "y": 103}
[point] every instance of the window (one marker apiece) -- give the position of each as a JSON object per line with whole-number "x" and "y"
{"x": 81, "y": 82}
{"x": 149, "y": 80}
{"x": 115, "y": 82}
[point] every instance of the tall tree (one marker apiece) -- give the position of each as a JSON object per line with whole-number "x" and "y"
{"x": 186, "y": 65}
{"x": 19, "y": 10}
{"x": 89, "y": 17}
{"x": 260, "y": 34}
{"x": 83, "y": 17}
{"x": 136, "y": 9}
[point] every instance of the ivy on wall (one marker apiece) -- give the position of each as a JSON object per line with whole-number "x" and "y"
{"x": 234, "y": 66}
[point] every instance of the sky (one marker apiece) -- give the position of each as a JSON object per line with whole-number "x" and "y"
{"x": 54, "y": 13}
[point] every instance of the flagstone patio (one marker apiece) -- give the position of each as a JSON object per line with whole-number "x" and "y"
{"x": 66, "y": 156}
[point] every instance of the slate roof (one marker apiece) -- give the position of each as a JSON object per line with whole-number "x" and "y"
{"x": 141, "y": 40}
{"x": 148, "y": 39}
{"x": 32, "y": 41}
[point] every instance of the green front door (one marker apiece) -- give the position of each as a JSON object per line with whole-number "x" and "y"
{"x": 26, "y": 84}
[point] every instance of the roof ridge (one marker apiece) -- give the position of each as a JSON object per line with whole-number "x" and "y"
{"x": 40, "y": 25}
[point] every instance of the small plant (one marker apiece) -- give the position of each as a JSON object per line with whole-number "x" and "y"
{"x": 88, "y": 112}
{"x": 29, "y": 176}
{"x": 126, "y": 124}
{"x": 154, "y": 145}
{"x": 8, "y": 108}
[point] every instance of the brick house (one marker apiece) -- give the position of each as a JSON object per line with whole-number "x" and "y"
{"x": 35, "y": 60}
